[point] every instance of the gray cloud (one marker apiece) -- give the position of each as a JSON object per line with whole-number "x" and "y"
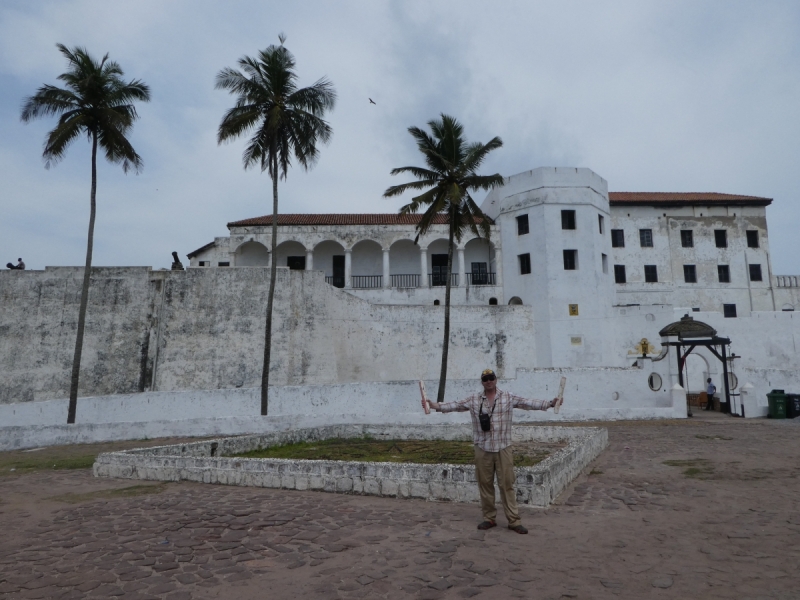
{"x": 653, "y": 96}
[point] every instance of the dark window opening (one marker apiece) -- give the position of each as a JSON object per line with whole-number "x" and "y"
{"x": 524, "y": 264}
{"x": 690, "y": 273}
{"x": 296, "y": 263}
{"x": 567, "y": 219}
{"x": 646, "y": 238}
{"x": 729, "y": 311}
{"x": 224, "y": 264}
{"x": 601, "y": 224}
{"x": 522, "y": 225}
{"x": 617, "y": 238}
{"x": 204, "y": 263}
{"x": 480, "y": 274}
{"x": 338, "y": 271}
{"x": 721, "y": 238}
{"x": 724, "y": 273}
{"x": 619, "y": 274}
{"x": 570, "y": 260}
{"x": 755, "y": 272}
{"x": 436, "y": 303}
{"x": 687, "y": 238}
{"x": 651, "y": 273}
{"x": 492, "y": 301}
{"x": 752, "y": 238}
{"x": 439, "y": 269}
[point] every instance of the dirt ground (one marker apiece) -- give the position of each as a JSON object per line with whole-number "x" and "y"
{"x": 703, "y": 508}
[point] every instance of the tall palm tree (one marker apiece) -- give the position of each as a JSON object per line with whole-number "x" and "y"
{"x": 288, "y": 124}
{"x": 449, "y": 177}
{"x": 98, "y": 103}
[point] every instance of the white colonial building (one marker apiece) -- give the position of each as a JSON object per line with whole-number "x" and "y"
{"x": 560, "y": 242}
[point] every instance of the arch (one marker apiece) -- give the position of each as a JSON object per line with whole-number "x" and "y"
{"x": 697, "y": 371}
{"x": 492, "y": 301}
{"x": 436, "y": 303}
{"x": 252, "y": 254}
{"x": 323, "y": 257}
{"x": 515, "y": 301}
{"x": 366, "y": 265}
{"x": 404, "y": 264}
{"x": 478, "y": 265}
{"x": 289, "y": 249}
{"x": 787, "y": 308}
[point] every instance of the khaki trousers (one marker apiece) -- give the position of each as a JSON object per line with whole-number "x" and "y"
{"x": 501, "y": 463}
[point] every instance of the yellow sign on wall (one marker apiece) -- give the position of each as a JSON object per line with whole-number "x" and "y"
{"x": 573, "y": 310}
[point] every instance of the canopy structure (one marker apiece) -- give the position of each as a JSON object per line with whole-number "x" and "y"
{"x": 690, "y": 333}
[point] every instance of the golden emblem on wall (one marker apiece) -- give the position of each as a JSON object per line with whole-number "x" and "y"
{"x": 644, "y": 348}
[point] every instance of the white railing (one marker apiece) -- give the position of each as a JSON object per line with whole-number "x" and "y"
{"x": 788, "y": 281}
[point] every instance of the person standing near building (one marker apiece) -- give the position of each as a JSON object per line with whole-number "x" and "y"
{"x": 491, "y": 413}
{"x": 711, "y": 389}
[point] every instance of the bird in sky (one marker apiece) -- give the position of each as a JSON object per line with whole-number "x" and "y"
{"x": 372, "y": 101}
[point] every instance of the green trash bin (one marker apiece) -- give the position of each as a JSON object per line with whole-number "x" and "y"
{"x": 777, "y": 404}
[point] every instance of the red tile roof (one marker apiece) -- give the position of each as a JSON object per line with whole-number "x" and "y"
{"x": 338, "y": 219}
{"x": 683, "y": 199}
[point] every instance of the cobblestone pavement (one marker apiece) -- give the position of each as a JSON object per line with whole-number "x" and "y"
{"x": 720, "y": 520}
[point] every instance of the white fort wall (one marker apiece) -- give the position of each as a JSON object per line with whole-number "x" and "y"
{"x": 204, "y": 330}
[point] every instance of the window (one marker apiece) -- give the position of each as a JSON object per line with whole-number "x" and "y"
{"x": 296, "y": 263}
{"x": 567, "y": 219}
{"x": 522, "y": 225}
{"x": 204, "y": 263}
{"x": 729, "y": 310}
{"x": 619, "y": 273}
{"x": 687, "y": 239}
{"x": 755, "y": 272}
{"x": 601, "y": 224}
{"x": 690, "y": 273}
{"x": 570, "y": 260}
{"x": 604, "y": 259}
{"x": 646, "y": 238}
{"x": 524, "y": 264}
{"x": 651, "y": 273}
{"x": 721, "y": 238}
{"x": 752, "y": 238}
{"x": 492, "y": 301}
{"x": 617, "y": 238}
{"x": 224, "y": 264}
{"x": 479, "y": 275}
{"x": 724, "y": 273}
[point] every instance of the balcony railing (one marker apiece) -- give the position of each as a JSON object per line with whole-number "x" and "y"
{"x": 788, "y": 281}
{"x": 404, "y": 281}
{"x": 437, "y": 279}
{"x": 365, "y": 282}
{"x": 481, "y": 278}
{"x": 335, "y": 281}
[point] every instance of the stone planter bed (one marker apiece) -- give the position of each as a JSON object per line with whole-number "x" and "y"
{"x": 210, "y": 461}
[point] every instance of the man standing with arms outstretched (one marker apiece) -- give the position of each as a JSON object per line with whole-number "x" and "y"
{"x": 491, "y": 413}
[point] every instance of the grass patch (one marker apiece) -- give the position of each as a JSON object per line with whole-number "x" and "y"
{"x": 595, "y": 472}
{"x": 424, "y": 452}
{"x": 19, "y": 465}
{"x": 126, "y": 492}
{"x": 699, "y": 468}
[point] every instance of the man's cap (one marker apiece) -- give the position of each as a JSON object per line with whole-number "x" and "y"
{"x": 487, "y": 372}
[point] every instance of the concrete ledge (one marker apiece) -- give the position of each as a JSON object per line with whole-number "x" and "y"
{"x": 207, "y": 462}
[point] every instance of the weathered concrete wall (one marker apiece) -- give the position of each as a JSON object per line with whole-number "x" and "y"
{"x": 204, "y": 329}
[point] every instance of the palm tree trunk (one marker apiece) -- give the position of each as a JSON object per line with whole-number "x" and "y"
{"x": 87, "y": 273}
{"x": 446, "y": 341}
{"x": 271, "y": 295}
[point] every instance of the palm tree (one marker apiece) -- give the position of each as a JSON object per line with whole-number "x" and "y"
{"x": 288, "y": 123}
{"x": 98, "y": 103}
{"x": 449, "y": 177}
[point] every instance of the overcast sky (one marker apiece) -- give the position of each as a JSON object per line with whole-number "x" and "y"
{"x": 653, "y": 96}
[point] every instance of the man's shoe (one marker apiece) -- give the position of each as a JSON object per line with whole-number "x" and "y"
{"x": 487, "y": 525}
{"x": 518, "y": 529}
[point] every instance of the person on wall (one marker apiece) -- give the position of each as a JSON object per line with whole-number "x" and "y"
{"x": 491, "y": 411}
{"x": 20, "y": 266}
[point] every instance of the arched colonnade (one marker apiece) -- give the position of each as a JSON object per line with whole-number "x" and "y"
{"x": 367, "y": 264}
